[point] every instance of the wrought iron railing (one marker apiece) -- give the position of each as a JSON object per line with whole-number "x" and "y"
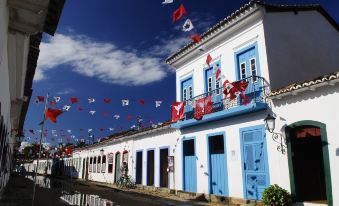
{"x": 255, "y": 92}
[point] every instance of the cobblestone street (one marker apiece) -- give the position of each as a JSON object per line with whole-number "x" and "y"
{"x": 55, "y": 191}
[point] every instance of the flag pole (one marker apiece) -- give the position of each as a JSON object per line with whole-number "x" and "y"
{"x": 40, "y": 147}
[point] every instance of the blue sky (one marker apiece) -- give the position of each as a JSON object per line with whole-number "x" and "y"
{"x": 116, "y": 49}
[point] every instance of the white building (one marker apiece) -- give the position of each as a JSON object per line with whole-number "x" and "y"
{"x": 229, "y": 152}
{"x": 22, "y": 23}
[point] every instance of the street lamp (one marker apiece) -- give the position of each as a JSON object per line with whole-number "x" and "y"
{"x": 277, "y": 137}
{"x": 270, "y": 123}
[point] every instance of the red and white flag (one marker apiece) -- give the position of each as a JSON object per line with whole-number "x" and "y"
{"x": 196, "y": 38}
{"x": 208, "y": 59}
{"x": 177, "y": 14}
{"x": 203, "y": 106}
{"x": 178, "y": 111}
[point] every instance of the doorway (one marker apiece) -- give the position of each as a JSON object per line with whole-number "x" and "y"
{"x": 150, "y": 167}
{"x": 309, "y": 162}
{"x": 117, "y": 167}
{"x": 138, "y": 175}
{"x": 163, "y": 167}
{"x": 189, "y": 166}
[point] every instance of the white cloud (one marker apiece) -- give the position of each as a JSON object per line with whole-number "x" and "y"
{"x": 104, "y": 60}
{"x": 65, "y": 91}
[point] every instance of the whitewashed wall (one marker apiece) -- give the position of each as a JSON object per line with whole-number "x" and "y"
{"x": 320, "y": 105}
{"x": 225, "y": 52}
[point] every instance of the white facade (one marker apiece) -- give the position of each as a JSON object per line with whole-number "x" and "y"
{"x": 229, "y": 152}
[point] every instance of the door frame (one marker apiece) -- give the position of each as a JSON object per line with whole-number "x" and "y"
{"x": 209, "y": 163}
{"x": 115, "y": 164}
{"x": 183, "y": 160}
{"x": 150, "y": 149}
{"x": 326, "y": 159}
{"x": 168, "y": 174}
{"x": 136, "y": 164}
{"x": 267, "y": 171}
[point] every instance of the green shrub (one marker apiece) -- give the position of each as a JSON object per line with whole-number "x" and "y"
{"x": 276, "y": 196}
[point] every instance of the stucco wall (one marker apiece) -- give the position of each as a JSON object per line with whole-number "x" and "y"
{"x": 300, "y": 46}
{"x": 320, "y": 106}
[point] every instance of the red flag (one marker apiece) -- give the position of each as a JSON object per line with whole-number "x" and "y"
{"x": 107, "y": 100}
{"x": 69, "y": 149}
{"x": 177, "y": 14}
{"x": 178, "y": 111}
{"x": 52, "y": 103}
{"x": 196, "y": 38}
{"x": 203, "y": 106}
{"x": 141, "y": 101}
{"x": 129, "y": 117}
{"x": 217, "y": 74}
{"x": 208, "y": 59}
{"x": 105, "y": 114}
{"x": 52, "y": 114}
{"x": 101, "y": 129}
{"x": 74, "y": 100}
{"x": 41, "y": 98}
{"x": 80, "y": 108}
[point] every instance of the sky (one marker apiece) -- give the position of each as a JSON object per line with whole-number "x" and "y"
{"x": 116, "y": 50}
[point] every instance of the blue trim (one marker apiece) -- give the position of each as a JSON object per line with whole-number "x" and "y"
{"x": 237, "y": 70}
{"x": 168, "y": 174}
{"x": 205, "y": 70}
{"x": 150, "y": 149}
{"x": 182, "y": 156}
{"x": 183, "y": 80}
{"x": 136, "y": 163}
{"x": 208, "y": 160}
{"x": 245, "y": 129}
{"x": 257, "y": 106}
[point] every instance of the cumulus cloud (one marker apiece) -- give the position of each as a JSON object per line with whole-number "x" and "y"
{"x": 104, "y": 61}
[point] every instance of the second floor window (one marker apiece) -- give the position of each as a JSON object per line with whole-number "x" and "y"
{"x": 243, "y": 70}
{"x": 217, "y": 86}
{"x": 185, "y": 94}
{"x": 253, "y": 69}
{"x": 190, "y": 92}
{"x": 110, "y": 163}
{"x": 90, "y": 164}
{"x": 209, "y": 84}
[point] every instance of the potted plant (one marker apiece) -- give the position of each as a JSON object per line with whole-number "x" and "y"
{"x": 276, "y": 196}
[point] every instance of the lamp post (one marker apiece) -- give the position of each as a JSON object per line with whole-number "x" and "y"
{"x": 277, "y": 137}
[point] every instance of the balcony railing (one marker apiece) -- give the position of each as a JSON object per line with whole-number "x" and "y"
{"x": 257, "y": 88}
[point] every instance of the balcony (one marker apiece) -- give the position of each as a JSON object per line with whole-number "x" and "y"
{"x": 222, "y": 106}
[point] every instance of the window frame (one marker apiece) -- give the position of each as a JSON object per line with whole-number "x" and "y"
{"x": 241, "y": 70}
{"x": 254, "y": 78}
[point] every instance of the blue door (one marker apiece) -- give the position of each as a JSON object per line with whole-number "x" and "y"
{"x": 186, "y": 95}
{"x": 255, "y": 166}
{"x": 190, "y": 166}
{"x": 217, "y": 165}
{"x": 248, "y": 68}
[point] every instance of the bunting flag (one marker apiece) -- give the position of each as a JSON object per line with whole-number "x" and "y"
{"x": 167, "y": 2}
{"x": 107, "y": 100}
{"x": 92, "y": 112}
{"x": 57, "y": 99}
{"x": 91, "y": 100}
{"x": 158, "y": 104}
{"x": 74, "y": 100}
{"x": 129, "y": 117}
{"x": 177, "y": 14}
{"x": 39, "y": 99}
{"x": 116, "y": 116}
{"x": 69, "y": 131}
{"x": 235, "y": 89}
{"x": 125, "y": 102}
{"x": 203, "y": 106}
{"x": 111, "y": 129}
{"x": 196, "y": 38}
{"x": 217, "y": 74}
{"x": 66, "y": 107}
{"x": 141, "y": 102}
{"x": 188, "y": 26}
{"x": 80, "y": 108}
{"x": 69, "y": 149}
{"x": 105, "y": 114}
{"x": 90, "y": 130}
{"x": 208, "y": 59}
{"x": 52, "y": 114}
{"x": 178, "y": 111}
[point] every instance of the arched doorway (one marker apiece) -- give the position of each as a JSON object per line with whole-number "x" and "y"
{"x": 308, "y": 160}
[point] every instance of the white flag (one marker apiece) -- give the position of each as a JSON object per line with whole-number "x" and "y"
{"x": 90, "y": 130}
{"x": 53, "y": 131}
{"x": 57, "y": 99}
{"x": 167, "y": 2}
{"x": 91, "y": 100}
{"x": 125, "y": 102}
{"x": 133, "y": 126}
{"x": 188, "y": 26}
{"x": 66, "y": 107}
{"x": 111, "y": 129}
{"x": 154, "y": 125}
{"x": 92, "y": 112}
{"x": 72, "y": 136}
{"x": 116, "y": 116}
{"x": 69, "y": 131}
{"x": 157, "y": 103}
